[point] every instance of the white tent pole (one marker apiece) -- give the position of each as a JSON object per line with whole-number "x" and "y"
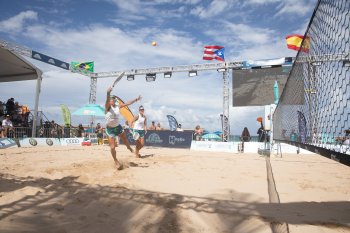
{"x": 37, "y": 94}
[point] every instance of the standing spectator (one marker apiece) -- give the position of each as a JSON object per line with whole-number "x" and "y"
{"x": 10, "y": 106}
{"x": 2, "y": 108}
{"x": 7, "y": 125}
{"x": 54, "y": 129}
{"x": 81, "y": 131}
{"x": 245, "y": 136}
{"x": 293, "y": 136}
{"x": 99, "y": 134}
{"x": 262, "y": 134}
{"x": 25, "y": 115}
{"x": 198, "y": 132}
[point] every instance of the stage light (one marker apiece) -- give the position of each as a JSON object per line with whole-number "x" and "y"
{"x": 130, "y": 77}
{"x": 167, "y": 75}
{"x": 221, "y": 69}
{"x": 192, "y": 73}
{"x": 150, "y": 77}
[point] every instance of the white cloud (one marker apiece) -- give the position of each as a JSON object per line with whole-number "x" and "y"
{"x": 16, "y": 23}
{"x": 216, "y": 7}
{"x": 191, "y": 100}
{"x": 297, "y": 7}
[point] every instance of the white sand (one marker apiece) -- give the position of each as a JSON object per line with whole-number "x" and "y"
{"x": 78, "y": 189}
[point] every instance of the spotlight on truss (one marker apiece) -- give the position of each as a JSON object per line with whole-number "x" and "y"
{"x": 192, "y": 73}
{"x": 130, "y": 77}
{"x": 150, "y": 77}
{"x": 167, "y": 75}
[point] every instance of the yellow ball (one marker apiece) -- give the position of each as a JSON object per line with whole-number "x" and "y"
{"x": 154, "y": 43}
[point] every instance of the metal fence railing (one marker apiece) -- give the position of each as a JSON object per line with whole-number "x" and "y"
{"x": 314, "y": 108}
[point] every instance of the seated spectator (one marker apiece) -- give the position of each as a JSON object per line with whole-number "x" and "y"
{"x": 153, "y": 126}
{"x": 7, "y": 126}
{"x": 159, "y": 127}
{"x": 198, "y": 132}
{"x": 245, "y": 136}
{"x": 179, "y": 128}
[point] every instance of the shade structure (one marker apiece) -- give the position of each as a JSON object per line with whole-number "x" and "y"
{"x": 90, "y": 110}
{"x": 211, "y": 136}
{"x": 217, "y": 132}
{"x": 13, "y": 67}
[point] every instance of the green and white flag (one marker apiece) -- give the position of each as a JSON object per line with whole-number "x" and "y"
{"x": 82, "y": 66}
{"x": 66, "y": 115}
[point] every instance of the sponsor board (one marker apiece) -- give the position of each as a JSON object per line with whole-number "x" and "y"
{"x": 32, "y": 142}
{"x": 7, "y": 143}
{"x": 71, "y": 141}
{"x": 214, "y": 146}
{"x": 165, "y": 138}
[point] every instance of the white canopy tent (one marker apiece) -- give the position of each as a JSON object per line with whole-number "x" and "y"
{"x": 14, "y": 67}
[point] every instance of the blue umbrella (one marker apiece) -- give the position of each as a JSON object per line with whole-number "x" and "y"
{"x": 205, "y": 132}
{"x": 90, "y": 110}
{"x": 217, "y": 132}
{"x": 211, "y": 136}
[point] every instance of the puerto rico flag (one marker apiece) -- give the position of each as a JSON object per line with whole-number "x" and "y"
{"x": 214, "y": 52}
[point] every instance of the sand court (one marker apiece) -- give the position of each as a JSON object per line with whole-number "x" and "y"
{"x": 78, "y": 189}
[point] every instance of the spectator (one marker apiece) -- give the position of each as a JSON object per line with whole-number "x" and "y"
{"x": 153, "y": 126}
{"x": 179, "y": 128}
{"x": 54, "y": 129}
{"x": 262, "y": 134}
{"x": 293, "y": 136}
{"x": 99, "y": 134}
{"x": 25, "y": 115}
{"x": 159, "y": 127}
{"x": 245, "y": 136}
{"x": 10, "y": 106}
{"x": 2, "y": 108}
{"x": 198, "y": 132}
{"x": 1, "y": 130}
{"x": 81, "y": 131}
{"x": 7, "y": 126}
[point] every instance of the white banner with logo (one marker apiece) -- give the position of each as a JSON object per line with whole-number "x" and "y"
{"x": 71, "y": 141}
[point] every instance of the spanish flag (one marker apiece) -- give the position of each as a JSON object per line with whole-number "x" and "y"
{"x": 294, "y": 42}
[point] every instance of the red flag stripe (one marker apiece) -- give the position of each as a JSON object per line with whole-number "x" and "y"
{"x": 208, "y": 52}
{"x": 213, "y": 47}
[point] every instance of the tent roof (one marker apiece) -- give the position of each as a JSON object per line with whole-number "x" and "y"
{"x": 15, "y": 68}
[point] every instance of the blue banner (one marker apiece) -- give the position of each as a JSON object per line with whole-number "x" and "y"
{"x": 50, "y": 60}
{"x": 165, "y": 138}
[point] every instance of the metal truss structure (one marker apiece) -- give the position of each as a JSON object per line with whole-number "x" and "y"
{"x": 223, "y": 67}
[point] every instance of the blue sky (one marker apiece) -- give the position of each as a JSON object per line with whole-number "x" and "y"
{"x": 117, "y": 35}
